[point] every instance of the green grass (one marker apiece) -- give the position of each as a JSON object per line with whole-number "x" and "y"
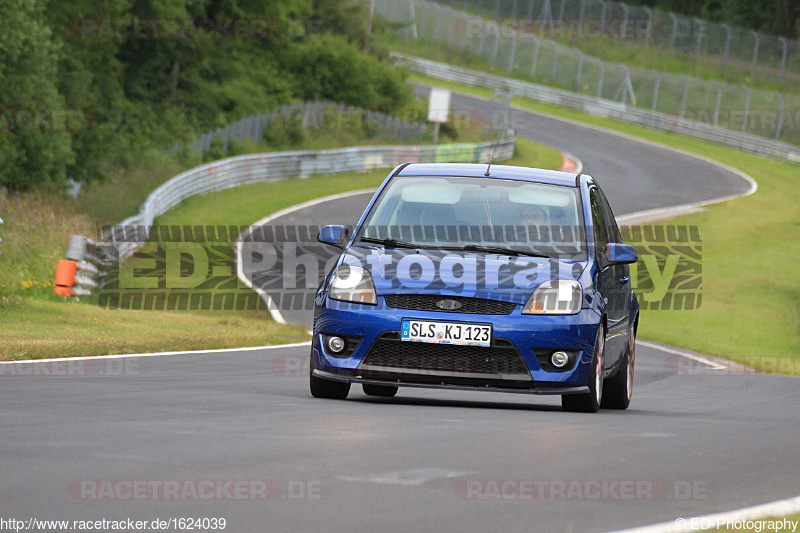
{"x": 34, "y": 323}
{"x": 44, "y": 329}
{"x": 751, "y": 286}
{"x": 248, "y": 203}
{"x": 118, "y": 197}
{"x": 35, "y": 234}
{"x": 680, "y": 63}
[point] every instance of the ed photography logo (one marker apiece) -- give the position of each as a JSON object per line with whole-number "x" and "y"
{"x": 199, "y": 267}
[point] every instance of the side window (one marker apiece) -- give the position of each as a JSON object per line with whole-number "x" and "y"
{"x": 598, "y": 219}
{"x": 611, "y": 223}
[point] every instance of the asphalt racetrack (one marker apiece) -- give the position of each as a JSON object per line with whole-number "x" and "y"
{"x": 137, "y": 437}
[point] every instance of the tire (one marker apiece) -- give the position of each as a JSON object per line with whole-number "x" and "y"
{"x": 618, "y": 390}
{"x": 590, "y": 402}
{"x": 386, "y": 391}
{"x": 326, "y": 388}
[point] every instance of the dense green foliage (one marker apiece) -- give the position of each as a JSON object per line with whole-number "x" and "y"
{"x": 780, "y": 17}
{"x": 102, "y": 92}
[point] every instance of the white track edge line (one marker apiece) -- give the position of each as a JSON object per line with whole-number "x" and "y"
{"x": 272, "y": 307}
{"x": 667, "y": 349}
{"x": 578, "y": 161}
{"x": 666, "y": 212}
{"x": 746, "y": 177}
{"x": 776, "y": 509}
{"x": 156, "y": 354}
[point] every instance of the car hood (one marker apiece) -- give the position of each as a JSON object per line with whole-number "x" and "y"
{"x": 458, "y": 273}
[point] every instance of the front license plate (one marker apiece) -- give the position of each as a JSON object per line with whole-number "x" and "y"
{"x": 464, "y": 334}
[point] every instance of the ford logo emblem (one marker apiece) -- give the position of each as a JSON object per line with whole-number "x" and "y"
{"x": 448, "y": 305}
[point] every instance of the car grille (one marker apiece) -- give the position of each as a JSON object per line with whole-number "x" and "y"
{"x": 427, "y": 302}
{"x": 388, "y": 352}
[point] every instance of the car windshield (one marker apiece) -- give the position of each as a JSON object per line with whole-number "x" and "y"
{"x": 482, "y": 214}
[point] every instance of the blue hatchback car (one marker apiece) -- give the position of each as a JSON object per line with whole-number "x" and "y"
{"x": 459, "y": 276}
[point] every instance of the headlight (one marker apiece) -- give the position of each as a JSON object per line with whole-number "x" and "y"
{"x": 352, "y": 284}
{"x": 560, "y": 297}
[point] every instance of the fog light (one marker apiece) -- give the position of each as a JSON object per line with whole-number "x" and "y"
{"x": 559, "y": 359}
{"x": 336, "y": 344}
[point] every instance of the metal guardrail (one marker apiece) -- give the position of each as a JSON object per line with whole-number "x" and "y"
{"x": 603, "y": 108}
{"x": 247, "y": 169}
{"x": 520, "y": 48}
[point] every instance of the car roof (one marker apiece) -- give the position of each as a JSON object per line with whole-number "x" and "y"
{"x": 537, "y": 175}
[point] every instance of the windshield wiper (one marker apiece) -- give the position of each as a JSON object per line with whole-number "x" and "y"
{"x": 493, "y": 249}
{"x": 392, "y": 243}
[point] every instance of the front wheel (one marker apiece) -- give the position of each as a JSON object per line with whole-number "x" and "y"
{"x": 589, "y": 402}
{"x": 326, "y": 388}
{"x": 618, "y": 390}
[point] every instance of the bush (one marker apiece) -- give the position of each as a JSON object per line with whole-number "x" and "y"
{"x": 328, "y": 68}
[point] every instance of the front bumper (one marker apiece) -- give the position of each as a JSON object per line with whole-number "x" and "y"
{"x": 468, "y": 368}
{"x": 357, "y": 378}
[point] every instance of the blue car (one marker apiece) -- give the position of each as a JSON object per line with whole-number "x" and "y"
{"x": 463, "y": 276}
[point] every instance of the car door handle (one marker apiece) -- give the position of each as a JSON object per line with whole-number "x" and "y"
{"x": 624, "y": 280}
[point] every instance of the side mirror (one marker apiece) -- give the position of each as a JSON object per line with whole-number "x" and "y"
{"x": 333, "y": 234}
{"x": 621, "y": 254}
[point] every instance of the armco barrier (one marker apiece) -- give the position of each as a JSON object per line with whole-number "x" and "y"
{"x": 247, "y": 169}
{"x": 602, "y": 108}
{"x": 82, "y": 270}
{"x": 255, "y": 168}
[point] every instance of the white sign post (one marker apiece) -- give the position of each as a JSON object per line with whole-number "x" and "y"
{"x": 438, "y": 109}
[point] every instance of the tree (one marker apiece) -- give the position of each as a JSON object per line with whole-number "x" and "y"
{"x": 35, "y": 145}
{"x": 142, "y": 74}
